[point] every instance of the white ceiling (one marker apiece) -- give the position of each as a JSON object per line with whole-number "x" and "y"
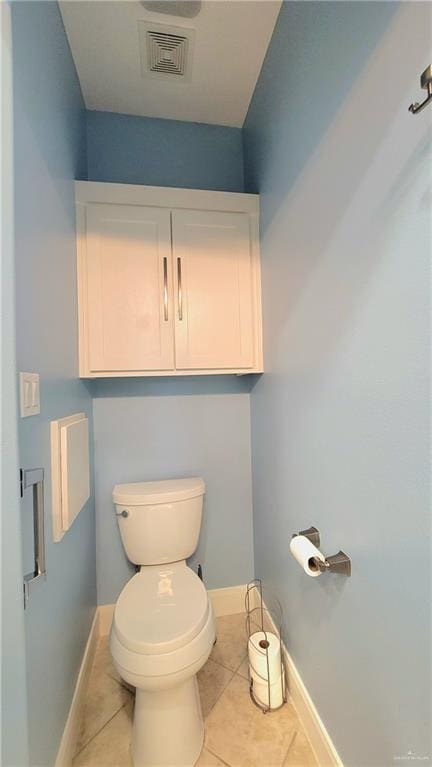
{"x": 231, "y": 39}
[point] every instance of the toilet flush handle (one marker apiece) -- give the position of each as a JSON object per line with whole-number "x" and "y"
{"x": 123, "y": 513}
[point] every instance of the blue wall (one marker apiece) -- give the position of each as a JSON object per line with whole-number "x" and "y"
{"x": 181, "y": 421}
{"x": 14, "y": 729}
{"x": 142, "y": 150}
{"x": 49, "y": 153}
{"x": 340, "y": 423}
{"x": 163, "y": 431}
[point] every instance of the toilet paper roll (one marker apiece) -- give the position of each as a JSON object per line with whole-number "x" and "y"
{"x": 269, "y": 696}
{"x": 261, "y": 644}
{"x": 304, "y": 552}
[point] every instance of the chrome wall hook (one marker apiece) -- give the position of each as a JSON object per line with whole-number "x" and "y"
{"x": 426, "y": 84}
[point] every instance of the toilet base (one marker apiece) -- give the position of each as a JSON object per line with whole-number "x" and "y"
{"x": 168, "y": 727}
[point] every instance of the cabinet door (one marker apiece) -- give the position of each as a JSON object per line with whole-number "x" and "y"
{"x": 129, "y": 289}
{"x": 213, "y": 290}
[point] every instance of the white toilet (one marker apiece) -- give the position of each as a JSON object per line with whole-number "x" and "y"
{"x": 163, "y": 627}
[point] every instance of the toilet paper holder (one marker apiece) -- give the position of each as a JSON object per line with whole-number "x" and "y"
{"x": 265, "y": 619}
{"x": 312, "y": 534}
{"x": 337, "y": 563}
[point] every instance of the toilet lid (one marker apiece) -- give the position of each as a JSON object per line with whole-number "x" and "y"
{"x": 161, "y": 609}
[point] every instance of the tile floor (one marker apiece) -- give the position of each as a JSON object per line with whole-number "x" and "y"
{"x": 237, "y": 733}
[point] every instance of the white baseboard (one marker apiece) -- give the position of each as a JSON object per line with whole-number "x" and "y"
{"x": 227, "y": 601}
{"x": 106, "y": 613}
{"x": 68, "y": 742}
{"x": 320, "y": 740}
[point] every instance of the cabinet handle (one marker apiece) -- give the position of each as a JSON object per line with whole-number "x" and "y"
{"x": 165, "y": 288}
{"x": 179, "y": 288}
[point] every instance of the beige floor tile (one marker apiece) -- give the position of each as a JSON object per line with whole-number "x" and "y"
{"x": 208, "y": 759}
{"x": 243, "y": 669}
{"x": 212, "y": 680}
{"x": 300, "y": 753}
{"x": 103, "y": 660}
{"x": 231, "y": 645}
{"x": 237, "y": 733}
{"x": 240, "y": 734}
{"x": 105, "y": 696}
{"x": 111, "y": 747}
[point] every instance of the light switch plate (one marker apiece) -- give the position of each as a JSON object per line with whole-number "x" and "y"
{"x": 29, "y": 394}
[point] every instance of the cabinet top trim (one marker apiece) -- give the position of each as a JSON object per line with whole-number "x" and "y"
{"x": 166, "y": 197}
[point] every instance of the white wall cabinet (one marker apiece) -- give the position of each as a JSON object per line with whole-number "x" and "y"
{"x": 129, "y": 275}
{"x": 168, "y": 281}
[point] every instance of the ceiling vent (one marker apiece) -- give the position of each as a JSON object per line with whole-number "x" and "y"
{"x": 166, "y": 52}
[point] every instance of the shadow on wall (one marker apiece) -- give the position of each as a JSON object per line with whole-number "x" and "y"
{"x": 339, "y": 420}
{"x": 304, "y": 102}
{"x": 162, "y": 386}
{"x": 127, "y": 149}
{"x": 311, "y": 295}
{"x": 322, "y": 218}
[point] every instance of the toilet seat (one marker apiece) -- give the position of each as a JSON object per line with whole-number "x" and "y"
{"x": 161, "y": 609}
{"x": 139, "y": 668}
{"x": 163, "y": 623}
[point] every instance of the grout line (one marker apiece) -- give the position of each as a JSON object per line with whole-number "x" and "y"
{"x": 289, "y": 748}
{"x": 217, "y": 756}
{"x": 222, "y": 691}
{"x": 119, "y": 682}
{"x": 233, "y": 671}
{"x": 227, "y": 668}
{"x": 99, "y": 731}
{"x": 240, "y": 664}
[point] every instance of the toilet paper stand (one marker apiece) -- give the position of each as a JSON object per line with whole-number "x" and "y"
{"x": 336, "y": 563}
{"x": 260, "y": 619}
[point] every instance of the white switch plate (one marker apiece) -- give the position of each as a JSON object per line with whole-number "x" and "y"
{"x": 29, "y": 394}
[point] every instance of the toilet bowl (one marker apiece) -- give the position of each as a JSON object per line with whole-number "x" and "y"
{"x": 163, "y": 627}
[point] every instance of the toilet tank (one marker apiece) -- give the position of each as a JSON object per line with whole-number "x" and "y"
{"x": 159, "y": 521}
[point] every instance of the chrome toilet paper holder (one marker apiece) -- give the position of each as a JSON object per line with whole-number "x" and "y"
{"x": 312, "y": 534}
{"x": 337, "y": 563}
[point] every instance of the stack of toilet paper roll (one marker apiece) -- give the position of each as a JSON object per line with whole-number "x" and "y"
{"x": 268, "y": 678}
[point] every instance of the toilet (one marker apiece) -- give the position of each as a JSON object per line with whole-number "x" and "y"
{"x": 163, "y": 627}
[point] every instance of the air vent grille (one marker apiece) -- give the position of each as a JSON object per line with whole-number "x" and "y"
{"x": 166, "y": 51}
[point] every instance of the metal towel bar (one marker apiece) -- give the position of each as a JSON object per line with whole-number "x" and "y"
{"x": 35, "y": 478}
